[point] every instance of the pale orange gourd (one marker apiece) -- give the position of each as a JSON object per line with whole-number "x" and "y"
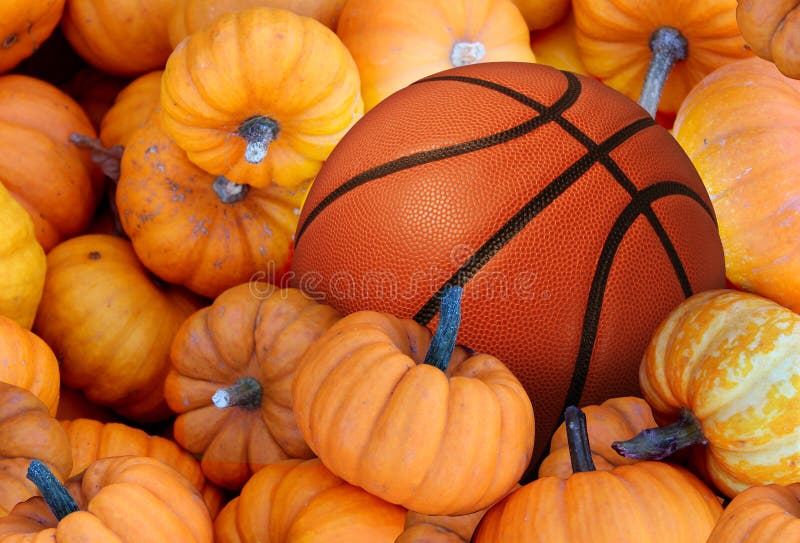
{"x": 764, "y": 513}
{"x": 771, "y": 28}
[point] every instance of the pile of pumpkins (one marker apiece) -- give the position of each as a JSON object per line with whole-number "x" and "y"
{"x": 160, "y": 382}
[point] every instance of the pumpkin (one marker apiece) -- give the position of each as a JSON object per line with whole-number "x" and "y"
{"x": 759, "y": 514}
{"x": 95, "y": 91}
{"x": 637, "y": 503}
{"x": 110, "y": 324}
{"x": 653, "y": 51}
{"x": 22, "y": 261}
{"x": 741, "y": 128}
{"x": 296, "y": 500}
{"x": 132, "y": 107}
{"x": 231, "y": 374}
{"x": 56, "y": 182}
{"x": 726, "y": 365}
{"x": 190, "y": 228}
{"x": 27, "y": 430}
{"x": 556, "y": 46}
{"x": 91, "y": 439}
{"x": 415, "y": 420}
{"x": 24, "y": 25}
{"x": 122, "y": 499}
{"x": 260, "y": 96}
{"x": 541, "y": 14}
{"x": 190, "y": 16}
{"x": 29, "y": 362}
{"x": 420, "y": 528}
{"x": 613, "y": 420}
{"x": 120, "y": 37}
{"x": 396, "y": 42}
{"x": 72, "y": 404}
{"x": 770, "y": 29}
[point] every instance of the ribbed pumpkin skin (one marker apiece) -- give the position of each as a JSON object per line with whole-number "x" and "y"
{"x": 261, "y": 62}
{"x": 770, "y": 28}
{"x": 741, "y": 127}
{"x": 27, "y": 430}
{"x": 24, "y": 25}
{"x": 639, "y": 503}
{"x": 251, "y": 330}
{"x": 760, "y": 514}
{"x": 613, "y": 39}
{"x": 296, "y": 500}
{"x": 437, "y": 443}
{"x": 396, "y": 42}
{"x": 131, "y": 108}
{"x": 733, "y": 359}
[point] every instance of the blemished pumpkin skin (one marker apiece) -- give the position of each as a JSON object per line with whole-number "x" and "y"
{"x": 760, "y": 514}
{"x": 613, "y": 420}
{"x": 397, "y": 42}
{"x": 541, "y": 14}
{"x": 132, "y": 107}
{"x": 449, "y": 436}
{"x": 22, "y": 260}
{"x": 261, "y": 96}
{"x": 301, "y": 500}
{"x": 91, "y": 439}
{"x": 110, "y": 325}
{"x": 27, "y": 430}
{"x": 614, "y": 39}
{"x": 120, "y": 37}
{"x": 55, "y": 181}
{"x": 194, "y": 229}
{"x": 29, "y": 362}
{"x": 231, "y": 374}
{"x": 24, "y": 25}
{"x": 190, "y": 16}
{"x": 740, "y": 126}
{"x": 728, "y": 364}
{"x": 121, "y": 499}
{"x": 771, "y": 30}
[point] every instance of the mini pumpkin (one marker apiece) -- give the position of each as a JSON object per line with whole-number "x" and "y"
{"x": 24, "y": 25}
{"x": 770, "y": 28}
{"x": 132, "y": 107}
{"x": 760, "y": 514}
{"x": 413, "y": 419}
{"x": 541, "y": 14}
{"x": 439, "y": 529}
{"x": 556, "y": 46}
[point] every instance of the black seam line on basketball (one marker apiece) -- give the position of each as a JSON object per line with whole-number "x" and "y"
{"x": 546, "y": 115}
{"x": 528, "y": 212}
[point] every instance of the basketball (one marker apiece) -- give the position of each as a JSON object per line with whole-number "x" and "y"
{"x": 573, "y": 222}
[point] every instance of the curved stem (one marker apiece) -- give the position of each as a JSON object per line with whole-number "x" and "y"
{"x": 659, "y": 443}
{"x": 258, "y": 131}
{"x": 467, "y": 52}
{"x": 229, "y": 192}
{"x": 245, "y": 393}
{"x": 54, "y": 493}
{"x": 668, "y": 46}
{"x": 444, "y": 340}
{"x": 107, "y": 158}
{"x": 580, "y": 452}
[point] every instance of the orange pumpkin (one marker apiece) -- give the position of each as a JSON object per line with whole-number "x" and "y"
{"x": 95, "y": 91}
{"x": 413, "y": 419}
{"x": 72, "y": 404}
{"x": 24, "y": 25}
{"x": 556, "y": 46}
{"x": 541, "y": 14}
{"x": 726, "y": 364}
{"x": 231, "y": 374}
{"x": 260, "y": 96}
{"x": 770, "y": 28}
{"x": 741, "y": 128}
{"x": 760, "y": 514}
{"x": 56, "y": 182}
{"x": 27, "y": 430}
{"x": 655, "y": 51}
{"x": 132, "y": 107}
{"x": 396, "y": 42}
{"x": 296, "y": 500}
{"x": 439, "y": 529}
{"x": 110, "y": 324}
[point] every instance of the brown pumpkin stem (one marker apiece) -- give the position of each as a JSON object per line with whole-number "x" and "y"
{"x": 659, "y": 443}
{"x": 467, "y": 52}
{"x": 580, "y": 452}
{"x": 107, "y": 158}
{"x": 54, "y": 493}
{"x": 258, "y": 131}
{"x": 229, "y": 192}
{"x": 444, "y": 340}
{"x": 668, "y": 46}
{"x": 245, "y": 393}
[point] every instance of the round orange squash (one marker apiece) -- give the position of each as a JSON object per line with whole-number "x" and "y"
{"x": 24, "y": 25}
{"x": 420, "y": 528}
{"x": 771, "y": 29}
{"x": 260, "y": 96}
{"x": 541, "y": 14}
{"x": 760, "y": 514}
{"x": 95, "y": 91}
{"x": 132, "y": 107}
{"x": 741, "y": 128}
{"x": 556, "y": 46}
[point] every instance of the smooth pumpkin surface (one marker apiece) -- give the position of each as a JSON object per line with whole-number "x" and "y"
{"x": 132, "y": 106}
{"x": 24, "y": 25}
{"x": 541, "y": 14}
{"x": 556, "y": 46}
{"x": 741, "y": 127}
{"x": 771, "y": 30}
{"x": 760, "y": 514}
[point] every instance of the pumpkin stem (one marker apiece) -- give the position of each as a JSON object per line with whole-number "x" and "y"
{"x": 258, "y": 131}
{"x": 668, "y": 46}
{"x": 245, "y": 393}
{"x": 444, "y": 340}
{"x": 580, "y": 453}
{"x": 54, "y": 493}
{"x": 659, "y": 443}
{"x": 229, "y": 192}
{"x": 107, "y": 158}
{"x": 467, "y": 52}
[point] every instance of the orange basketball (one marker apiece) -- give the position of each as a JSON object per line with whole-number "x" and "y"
{"x": 572, "y": 220}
